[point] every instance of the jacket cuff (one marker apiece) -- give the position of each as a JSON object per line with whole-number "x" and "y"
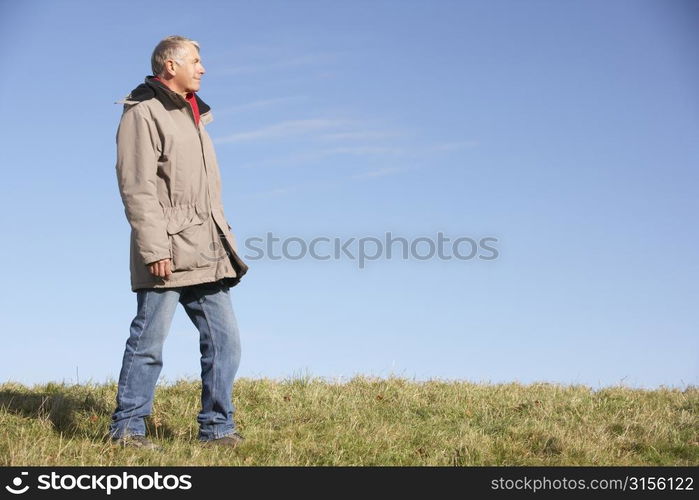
{"x": 150, "y": 259}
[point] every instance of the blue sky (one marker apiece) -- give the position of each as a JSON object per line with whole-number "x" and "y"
{"x": 566, "y": 130}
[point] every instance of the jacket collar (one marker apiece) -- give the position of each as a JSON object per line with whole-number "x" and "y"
{"x": 152, "y": 87}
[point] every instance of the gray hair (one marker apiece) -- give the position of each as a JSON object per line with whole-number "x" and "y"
{"x": 171, "y": 47}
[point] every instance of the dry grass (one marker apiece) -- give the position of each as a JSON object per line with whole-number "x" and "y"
{"x": 365, "y": 421}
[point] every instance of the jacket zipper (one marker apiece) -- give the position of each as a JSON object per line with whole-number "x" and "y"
{"x": 206, "y": 169}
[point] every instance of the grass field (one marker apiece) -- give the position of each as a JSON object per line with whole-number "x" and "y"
{"x": 364, "y": 421}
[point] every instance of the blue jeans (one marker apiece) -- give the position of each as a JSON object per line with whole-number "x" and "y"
{"x": 209, "y": 307}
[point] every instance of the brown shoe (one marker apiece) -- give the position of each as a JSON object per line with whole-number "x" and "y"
{"x": 230, "y": 441}
{"x": 137, "y": 442}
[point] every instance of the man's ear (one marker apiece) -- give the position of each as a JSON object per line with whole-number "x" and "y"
{"x": 170, "y": 67}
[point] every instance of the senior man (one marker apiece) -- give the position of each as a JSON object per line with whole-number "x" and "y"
{"x": 182, "y": 248}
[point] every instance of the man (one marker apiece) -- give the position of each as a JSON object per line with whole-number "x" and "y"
{"x": 182, "y": 247}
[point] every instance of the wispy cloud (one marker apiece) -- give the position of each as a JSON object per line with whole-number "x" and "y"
{"x": 285, "y": 63}
{"x": 360, "y": 135}
{"x": 271, "y": 193}
{"x": 313, "y": 155}
{"x": 379, "y": 173}
{"x": 310, "y": 185}
{"x": 283, "y": 129}
{"x": 423, "y": 153}
{"x": 452, "y": 146}
{"x": 362, "y": 150}
{"x": 261, "y": 103}
{"x": 316, "y": 185}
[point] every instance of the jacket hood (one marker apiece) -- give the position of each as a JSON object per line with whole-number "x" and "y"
{"x": 150, "y": 88}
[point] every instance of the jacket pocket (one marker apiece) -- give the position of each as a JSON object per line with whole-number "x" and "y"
{"x": 189, "y": 238}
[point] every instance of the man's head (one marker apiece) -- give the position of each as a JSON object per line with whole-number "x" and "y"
{"x": 176, "y": 61}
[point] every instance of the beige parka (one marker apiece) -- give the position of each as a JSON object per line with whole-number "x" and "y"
{"x": 170, "y": 185}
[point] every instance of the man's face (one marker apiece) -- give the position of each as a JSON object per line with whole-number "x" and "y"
{"x": 189, "y": 71}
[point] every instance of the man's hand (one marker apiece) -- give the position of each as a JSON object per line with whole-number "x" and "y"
{"x": 161, "y": 268}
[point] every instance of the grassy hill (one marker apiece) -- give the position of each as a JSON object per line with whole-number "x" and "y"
{"x": 364, "y": 421}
